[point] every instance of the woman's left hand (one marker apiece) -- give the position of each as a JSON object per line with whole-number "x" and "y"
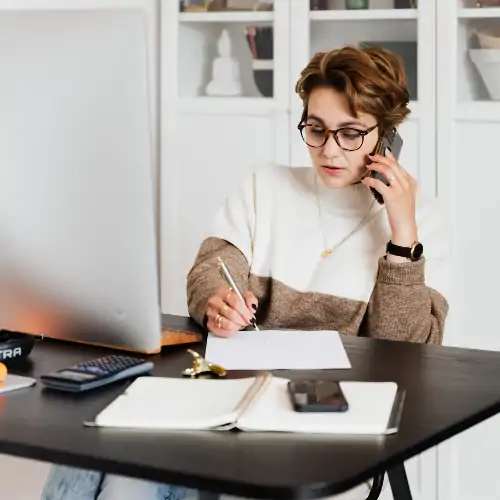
{"x": 399, "y": 197}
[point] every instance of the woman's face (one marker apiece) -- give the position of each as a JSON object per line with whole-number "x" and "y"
{"x": 338, "y": 168}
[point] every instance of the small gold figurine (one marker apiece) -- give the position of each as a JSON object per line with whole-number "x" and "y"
{"x": 201, "y": 365}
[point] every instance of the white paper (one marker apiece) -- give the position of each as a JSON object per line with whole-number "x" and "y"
{"x": 278, "y": 349}
{"x": 370, "y": 408}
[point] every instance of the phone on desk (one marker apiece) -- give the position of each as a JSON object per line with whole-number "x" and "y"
{"x": 393, "y": 142}
{"x": 317, "y": 396}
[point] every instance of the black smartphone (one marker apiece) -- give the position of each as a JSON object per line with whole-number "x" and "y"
{"x": 317, "y": 396}
{"x": 393, "y": 142}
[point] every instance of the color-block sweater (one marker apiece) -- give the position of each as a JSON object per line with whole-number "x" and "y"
{"x": 271, "y": 233}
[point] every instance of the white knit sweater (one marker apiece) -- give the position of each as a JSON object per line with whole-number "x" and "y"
{"x": 272, "y": 230}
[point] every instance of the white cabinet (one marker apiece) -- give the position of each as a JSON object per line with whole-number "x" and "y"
{"x": 209, "y": 143}
{"x": 468, "y": 117}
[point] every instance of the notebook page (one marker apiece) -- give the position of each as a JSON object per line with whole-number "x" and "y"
{"x": 370, "y": 407}
{"x": 278, "y": 349}
{"x": 170, "y": 403}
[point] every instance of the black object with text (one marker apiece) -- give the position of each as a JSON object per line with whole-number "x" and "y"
{"x": 317, "y": 396}
{"x": 96, "y": 373}
{"x": 393, "y": 142}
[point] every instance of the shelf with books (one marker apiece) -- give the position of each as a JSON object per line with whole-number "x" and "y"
{"x": 226, "y": 59}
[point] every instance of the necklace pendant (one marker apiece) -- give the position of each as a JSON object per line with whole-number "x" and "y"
{"x": 326, "y": 253}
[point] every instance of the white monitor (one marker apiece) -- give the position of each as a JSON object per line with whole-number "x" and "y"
{"x": 78, "y": 249}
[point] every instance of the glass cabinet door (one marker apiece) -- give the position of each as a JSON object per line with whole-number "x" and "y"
{"x": 232, "y": 46}
{"x": 478, "y": 50}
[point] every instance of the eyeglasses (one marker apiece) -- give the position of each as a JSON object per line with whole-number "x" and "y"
{"x": 349, "y": 139}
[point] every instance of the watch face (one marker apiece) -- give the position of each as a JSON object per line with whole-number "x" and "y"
{"x": 418, "y": 250}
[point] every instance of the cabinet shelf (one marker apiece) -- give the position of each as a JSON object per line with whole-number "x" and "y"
{"x": 479, "y": 13}
{"x": 226, "y": 17}
{"x": 363, "y": 14}
{"x": 478, "y": 111}
{"x": 228, "y": 105}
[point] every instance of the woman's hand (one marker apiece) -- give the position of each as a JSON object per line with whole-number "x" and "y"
{"x": 399, "y": 198}
{"x": 227, "y": 314}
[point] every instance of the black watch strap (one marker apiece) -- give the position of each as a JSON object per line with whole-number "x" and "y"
{"x": 412, "y": 253}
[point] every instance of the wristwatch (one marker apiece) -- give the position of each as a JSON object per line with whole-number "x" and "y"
{"x": 412, "y": 253}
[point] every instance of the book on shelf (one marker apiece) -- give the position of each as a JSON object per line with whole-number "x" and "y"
{"x": 260, "y": 403}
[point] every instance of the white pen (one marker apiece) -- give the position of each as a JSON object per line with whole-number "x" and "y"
{"x": 232, "y": 285}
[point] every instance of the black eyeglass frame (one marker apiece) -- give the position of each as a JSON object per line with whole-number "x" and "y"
{"x": 328, "y": 132}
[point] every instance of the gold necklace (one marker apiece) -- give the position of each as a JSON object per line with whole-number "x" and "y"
{"x": 328, "y": 251}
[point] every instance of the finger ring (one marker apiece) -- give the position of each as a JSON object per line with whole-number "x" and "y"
{"x": 224, "y": 308}
{"x": 392, "y": 178}
{"x": 218, "y": 320}
{"x": 227, "y": 296}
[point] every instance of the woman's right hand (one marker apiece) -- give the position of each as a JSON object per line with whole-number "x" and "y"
{"x": 227, "y": 314}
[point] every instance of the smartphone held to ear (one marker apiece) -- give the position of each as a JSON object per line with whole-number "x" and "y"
{"x": 393, "y": 142}
{"x": 317, "y": 396}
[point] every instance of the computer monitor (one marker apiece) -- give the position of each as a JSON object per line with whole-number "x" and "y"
{"x": 78, "y": 246}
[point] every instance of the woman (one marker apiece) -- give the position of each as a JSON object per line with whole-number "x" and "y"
{"x": 309, "y": 246}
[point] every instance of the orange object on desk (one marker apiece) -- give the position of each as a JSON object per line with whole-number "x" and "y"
{"x": 3, "y": 372}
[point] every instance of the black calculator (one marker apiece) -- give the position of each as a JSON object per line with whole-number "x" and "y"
{"x": 96, "y": 373}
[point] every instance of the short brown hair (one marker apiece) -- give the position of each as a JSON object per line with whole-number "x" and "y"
{"x": 373, "y": 79}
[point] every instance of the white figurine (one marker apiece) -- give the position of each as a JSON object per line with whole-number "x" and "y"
{"x": 225, "y": 70}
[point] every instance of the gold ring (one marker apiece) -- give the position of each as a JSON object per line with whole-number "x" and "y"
{"x": 224, "y": 308}
{"x": 227, "y": 296}
{"x": 218, "y": 320}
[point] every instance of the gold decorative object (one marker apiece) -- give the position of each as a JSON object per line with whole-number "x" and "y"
{"x": 201, "y": 365}
{"x": 197, "y": 6}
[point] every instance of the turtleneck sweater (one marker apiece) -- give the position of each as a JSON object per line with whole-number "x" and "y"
{"x": 271, "y": 233}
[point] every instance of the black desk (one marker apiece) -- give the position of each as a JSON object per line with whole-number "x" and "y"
{"x": 449, "y": 390}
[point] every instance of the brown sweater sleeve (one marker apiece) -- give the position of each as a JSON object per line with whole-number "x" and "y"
{"x": 402, "y": 307}
{"x": 204, "y": 279}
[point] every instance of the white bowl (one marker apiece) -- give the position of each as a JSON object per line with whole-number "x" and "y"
{"x": 487, "y": 62}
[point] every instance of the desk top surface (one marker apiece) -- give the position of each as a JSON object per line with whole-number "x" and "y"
{"x": 448, "y": 391}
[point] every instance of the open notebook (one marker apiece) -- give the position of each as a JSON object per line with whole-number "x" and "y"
{"x": 258, "y": 403}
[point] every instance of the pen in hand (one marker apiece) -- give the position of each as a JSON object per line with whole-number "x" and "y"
{"x": 232, "y": 285}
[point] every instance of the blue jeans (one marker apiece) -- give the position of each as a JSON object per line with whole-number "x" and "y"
{"x": 68, "y": 483}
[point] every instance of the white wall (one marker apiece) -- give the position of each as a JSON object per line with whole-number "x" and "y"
{"x": 21, "y": 479}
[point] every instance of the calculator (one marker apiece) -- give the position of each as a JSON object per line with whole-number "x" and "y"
{"x": 96, "y": 373}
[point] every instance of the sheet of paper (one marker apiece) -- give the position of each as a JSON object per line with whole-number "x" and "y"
{"x": 278, "y": 349}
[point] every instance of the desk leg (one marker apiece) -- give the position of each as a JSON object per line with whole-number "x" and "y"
{"x": 399, "y": 483}
{"x": 397, "y": 479}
